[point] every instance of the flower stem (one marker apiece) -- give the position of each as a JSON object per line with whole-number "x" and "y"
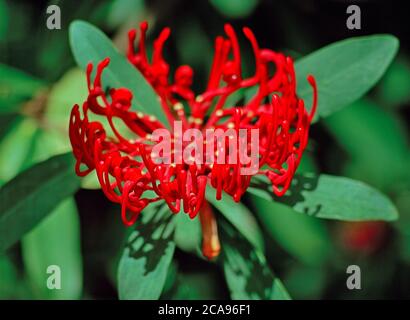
{"x": 211, "y": 246}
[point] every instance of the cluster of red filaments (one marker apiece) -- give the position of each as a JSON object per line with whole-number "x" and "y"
{"x": 126, "y": 171}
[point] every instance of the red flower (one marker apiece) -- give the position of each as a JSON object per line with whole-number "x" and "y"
{"x": 125, "y": 170}
{"x": 366, "y": 237}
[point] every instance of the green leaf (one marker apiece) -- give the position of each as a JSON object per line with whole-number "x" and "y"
{"x": 143, "y": 268}
{"x": 71, "y": 89}
{"x": 29, "y": 197}
{"x": 47, "y": 144}
{"x": 235, "y": 8}
{"x": 15, "y": 87}
{"x": 239, "y": 216}
{"x": 124, "y": 10}
{"x": 171, "y": 279}
{"x": 304, "y": 237}
{"x": 15, "y": 147}
{"x": 68, "y": 91}
{"x": 345, "y": 70}
{"x": 55, "y": 241}
{"x": 394, "y": 89}
{"x": 188, "y": 233}
{"x": 6, "y": 122}
{"x": 381, "y": 136}
{"x": 307, "y": 163}
{"x": 246, "y": 271}
{"x": 89, "y": 44}
{"x": 9, "y": 278}
{"x": 306, "y": 282}
{"x": 331, "y": 197}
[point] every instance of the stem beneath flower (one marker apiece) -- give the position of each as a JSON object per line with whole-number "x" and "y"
{"x": 211, "y": 246}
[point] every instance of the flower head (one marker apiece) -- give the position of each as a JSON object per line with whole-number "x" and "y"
{"x": 126, "y": 170}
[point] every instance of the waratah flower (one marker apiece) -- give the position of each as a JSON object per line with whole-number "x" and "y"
{"x": 131, "y": 177}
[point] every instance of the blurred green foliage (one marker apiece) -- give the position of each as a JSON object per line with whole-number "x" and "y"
{"x": 59, "y": 233}
{"x": 235, "y": 8}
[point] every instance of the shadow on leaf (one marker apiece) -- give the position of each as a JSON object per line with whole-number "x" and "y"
{"x": 246, "y": 270}
{"x": 294, "y": 195}
{"x": 151, "y": 238}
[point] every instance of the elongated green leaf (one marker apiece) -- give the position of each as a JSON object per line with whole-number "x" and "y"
{"x": 332, "y": 197}
{"x": 17, "y": 82}
{"x": 15, "y": 147}
{"x": 239, "y": 216}
{"x": 9, "y": 278}
{"x": 188, "y": 233}
{"x": 170, "y": 281}
{"x": 303, "y": 237}
{"x": 48, "y": 144}
{"x": 124, "y": 10}
{"x": 29, "y": 197}
{"x": 380, "y": 137}
{"x": 15, "y": 87}
{"x": 143, "y": 268}
{"x": 307, "y": 164}
{"x": 70, "y": 89}
{"x": 306, "y": 282}
{"x": 6, "y": 122}
{"x": 55, "y": 241}
{"x": 246, "y": 271}
{"x": 394, "y": 88}
{"x": 345, "y": 70}
{"x": 91, "y": 45}
{"x": 67, "y": 92}
{"x": 64, "y": 94}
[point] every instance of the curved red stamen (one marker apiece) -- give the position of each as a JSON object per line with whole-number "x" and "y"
{"x": 125, "y": 168}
